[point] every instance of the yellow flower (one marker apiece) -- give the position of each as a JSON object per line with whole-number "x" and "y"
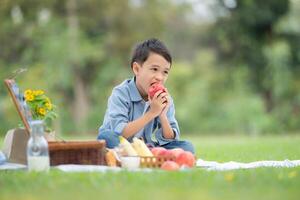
{"x": 229, "y": 177}
{"x": 29, "y": 97}
{"x": 38, "y": 92}
{"x": 48, "y": 105}
{"x": 292, "y": 174}
{"x": 42, "y": 111}
{"x": 40, "y": 105}
{"x": 47, "y": 100}
{"x": 27, "y": 93}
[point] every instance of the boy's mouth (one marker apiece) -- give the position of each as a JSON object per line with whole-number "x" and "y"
{"x": 154, "y": 83}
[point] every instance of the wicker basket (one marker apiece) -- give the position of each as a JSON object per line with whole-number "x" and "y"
{"x": 77, "y": 152}
{"x": 154, "y": 162}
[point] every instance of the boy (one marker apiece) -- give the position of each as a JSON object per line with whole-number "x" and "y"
{"x": 131, "y": 112}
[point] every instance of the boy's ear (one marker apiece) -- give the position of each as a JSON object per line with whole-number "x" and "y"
{"x": 135, "y": 68}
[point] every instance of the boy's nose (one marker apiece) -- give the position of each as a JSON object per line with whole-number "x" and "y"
{"x": 159, "y": 77}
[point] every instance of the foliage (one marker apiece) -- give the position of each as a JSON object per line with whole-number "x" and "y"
{"x": 236, "y": 71}
{"x": 257, "y": 43}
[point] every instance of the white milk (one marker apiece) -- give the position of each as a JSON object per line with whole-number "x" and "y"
{"x": 38, "y": 163}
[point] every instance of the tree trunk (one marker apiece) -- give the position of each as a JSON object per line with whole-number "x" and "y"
{"x": 80, "y": 103}
{"x": 268, "y": 98}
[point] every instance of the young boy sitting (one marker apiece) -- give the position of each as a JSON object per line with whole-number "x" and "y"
{"x": 131, "y": 112}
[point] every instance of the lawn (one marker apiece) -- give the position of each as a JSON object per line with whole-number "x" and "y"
{"x": 261, "y": 183}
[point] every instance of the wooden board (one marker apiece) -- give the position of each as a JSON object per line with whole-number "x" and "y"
{"x": 17, "y": 98}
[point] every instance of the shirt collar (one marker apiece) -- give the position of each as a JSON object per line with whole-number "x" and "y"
{"x": 134, "y": 92}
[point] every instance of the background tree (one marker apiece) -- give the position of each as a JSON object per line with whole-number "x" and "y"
{"x": 234, "y": 70}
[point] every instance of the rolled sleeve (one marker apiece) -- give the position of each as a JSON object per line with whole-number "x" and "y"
{"x": 118, "y": 108}
{"x": 174, "y": 125}
{"x": 120, "y": 127}
{"x": 161, "y": 140}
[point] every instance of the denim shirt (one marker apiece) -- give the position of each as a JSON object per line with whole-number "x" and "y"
{"x": 126, "y": 105}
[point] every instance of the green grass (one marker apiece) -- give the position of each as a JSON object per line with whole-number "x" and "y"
{"x": 260, "y": 183}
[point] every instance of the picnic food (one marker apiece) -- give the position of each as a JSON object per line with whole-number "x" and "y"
{"x": 140, "y": 147}
{"x": 165, "y": 153}
{"x": 185, "y": 158}
{"x": 127, "y": 147}
{"x": 170, "y": 166}
{"x": 166, "y": 159}
{"x": 110, "y": 158}
{"x": 155, "y": 88}
{"x": 130, "y": 162}
{"x": 156, "y": 151}
{"x": 160, "y": 151}
{"x": 175, "y": 152}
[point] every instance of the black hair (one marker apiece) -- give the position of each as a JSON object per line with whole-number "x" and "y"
{"x": 143, "y": 49}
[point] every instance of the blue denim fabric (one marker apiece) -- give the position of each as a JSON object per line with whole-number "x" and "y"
{"x": 111, "y": 139}
{"x": 185, "y": 145}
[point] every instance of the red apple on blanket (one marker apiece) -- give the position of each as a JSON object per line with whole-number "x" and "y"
{"x": 161, "y": 152}
{"x": 176, "y": 152}
{"x": 165, "y": 153}
{"x": 186, "y": 159}
{"x": 155, "y": 88}
{"x": 157, "y": 150}
{"x": 170, "y": 166}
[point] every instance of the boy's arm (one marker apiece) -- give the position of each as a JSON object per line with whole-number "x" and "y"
{"x": 135, "y": 126}
{"x": 167, "y": 130}
{"x": 168, "y": 127}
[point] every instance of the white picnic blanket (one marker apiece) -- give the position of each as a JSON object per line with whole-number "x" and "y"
{"x": 86, "y": 168}
{"x": 97, "y": 168}
{"x": 12, "y": 166}
{"x": 231, "y": 165}
{"x": 74, "y": 168}
{"x": 208, "y": 165}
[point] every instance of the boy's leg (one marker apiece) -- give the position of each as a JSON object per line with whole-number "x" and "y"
{"x": 185, "y": 145}
{"x": 111, "y": 138}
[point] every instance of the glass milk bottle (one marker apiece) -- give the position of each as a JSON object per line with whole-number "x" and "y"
{"x": 37, "y": 148}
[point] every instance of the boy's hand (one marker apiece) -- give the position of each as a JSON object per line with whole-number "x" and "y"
{"x": 158, "y": 103}
{"x": 167, "y": 101}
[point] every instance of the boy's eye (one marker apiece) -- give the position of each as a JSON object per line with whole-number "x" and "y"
{"x": 166, "y": 72}
{"x": 154, "y": 69}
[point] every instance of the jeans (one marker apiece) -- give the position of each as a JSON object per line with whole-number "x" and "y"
{"x": 112, "y": 140}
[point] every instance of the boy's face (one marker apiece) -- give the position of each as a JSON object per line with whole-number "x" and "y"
{"x": 154, "y": 70}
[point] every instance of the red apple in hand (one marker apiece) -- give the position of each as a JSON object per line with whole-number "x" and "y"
{"x": 170, "y": 166}
{"x": 155, "y": 88}
{"x": 186, "y": 158}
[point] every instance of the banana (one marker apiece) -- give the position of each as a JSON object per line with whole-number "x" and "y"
{"x": 127, "y": 147}
{"x": 141, "y": 148}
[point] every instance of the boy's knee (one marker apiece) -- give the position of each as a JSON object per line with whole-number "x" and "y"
{"x": 185, "y": 145}
{"x": 188, "y": 146}
{"x": 111, "y": 139}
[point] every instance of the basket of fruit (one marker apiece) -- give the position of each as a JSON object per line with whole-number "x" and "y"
{"x": 157, "y": 157}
